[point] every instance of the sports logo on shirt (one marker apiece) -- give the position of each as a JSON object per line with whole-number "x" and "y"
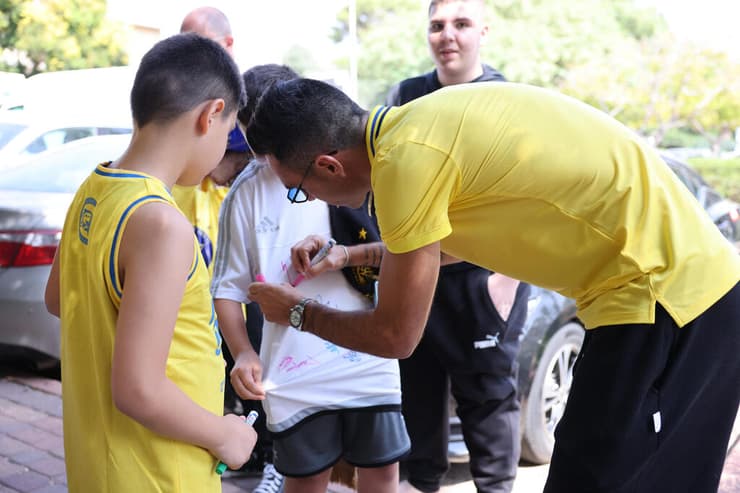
{"x": 86, "y": 217}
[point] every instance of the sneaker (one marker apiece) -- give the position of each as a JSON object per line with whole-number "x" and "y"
{"x": 272, "y": 481}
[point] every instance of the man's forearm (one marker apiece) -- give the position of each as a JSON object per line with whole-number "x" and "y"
{"x": 369, "y": 254}
{"x": 365, "y": 331}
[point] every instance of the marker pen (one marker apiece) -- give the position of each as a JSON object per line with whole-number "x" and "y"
{"x": 320, "y": 255}
{"x": 251, "y": 418}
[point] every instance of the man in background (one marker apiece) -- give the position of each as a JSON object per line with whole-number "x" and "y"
{"x": 469, "y": 345}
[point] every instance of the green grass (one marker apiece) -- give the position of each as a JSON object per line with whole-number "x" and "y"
{"x": 722, "y": 174}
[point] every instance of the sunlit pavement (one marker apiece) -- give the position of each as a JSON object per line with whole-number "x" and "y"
{"x": 32, "y": 452}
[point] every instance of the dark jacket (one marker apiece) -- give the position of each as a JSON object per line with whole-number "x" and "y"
{"x": 415, "y": 87}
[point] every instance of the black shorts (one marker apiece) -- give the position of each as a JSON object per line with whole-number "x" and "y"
{"x": 367, "y": 437}
{"x": 652, "y": 406}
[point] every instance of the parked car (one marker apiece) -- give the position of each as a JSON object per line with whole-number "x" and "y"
{"x": 552, "y": 338}
{"x": 724, "y": 212}
{"x": 24, "y": 133}
{"x": 34, "y": 199}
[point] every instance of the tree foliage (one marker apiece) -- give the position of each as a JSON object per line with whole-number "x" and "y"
{"x": 660, "y": 84}
{"x": 614, "y": 54}
{"x": 47, "y": 35}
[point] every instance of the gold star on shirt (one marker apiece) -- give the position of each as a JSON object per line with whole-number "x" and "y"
{"x": 363, "y": 234}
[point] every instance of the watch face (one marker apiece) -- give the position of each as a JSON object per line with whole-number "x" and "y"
{"x": 296, "y": 316}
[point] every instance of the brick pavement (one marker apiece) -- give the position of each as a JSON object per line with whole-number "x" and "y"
{"x": 32, "y": 451}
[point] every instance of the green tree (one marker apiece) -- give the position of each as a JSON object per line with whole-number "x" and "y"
{"x": 659, "y": 84}
{"x": 48, "y": 35}
{"x": 300, "y": 59}
{"x": 532, "y": 41}
{"x": 540, "y": 41}
{"x": 391, "y": 44}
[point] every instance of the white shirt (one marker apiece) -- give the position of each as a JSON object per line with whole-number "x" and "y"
{"x": 302, "y": 373}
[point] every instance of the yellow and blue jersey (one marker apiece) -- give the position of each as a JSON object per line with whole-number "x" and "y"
{"x": 201, "y": 204}
{"x": 106, "y": 450}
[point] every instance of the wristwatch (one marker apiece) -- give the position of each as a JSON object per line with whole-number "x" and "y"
{"x": 296, "y": 313}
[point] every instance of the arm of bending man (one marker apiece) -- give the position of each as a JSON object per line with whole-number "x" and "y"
{"x": 391, "y": 330}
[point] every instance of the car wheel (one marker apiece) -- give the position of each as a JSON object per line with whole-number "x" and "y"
{"x": 549, "y": 393}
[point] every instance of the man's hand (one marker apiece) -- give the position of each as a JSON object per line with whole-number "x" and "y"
{"x": 302, "y": 252}
{"x": 275, "y": 300}
{"x": 502, "y": 290}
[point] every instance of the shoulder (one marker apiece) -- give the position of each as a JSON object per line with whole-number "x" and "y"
{"x": 160, "y": 220}
{"x": 411, "y": 88}
{"x": 491, "y": 74}
{"x": 254, "y": 175}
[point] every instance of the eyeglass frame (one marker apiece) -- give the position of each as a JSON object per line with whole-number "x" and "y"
{"x": 293, "y": 192}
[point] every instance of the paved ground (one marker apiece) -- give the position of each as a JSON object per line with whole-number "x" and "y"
{"x": 32, "y": 455}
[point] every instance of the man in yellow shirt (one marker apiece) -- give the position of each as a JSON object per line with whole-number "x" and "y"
{"x": 543, "y": 188}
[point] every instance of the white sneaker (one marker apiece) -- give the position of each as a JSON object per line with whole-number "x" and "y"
{"x": 272, "y": 481}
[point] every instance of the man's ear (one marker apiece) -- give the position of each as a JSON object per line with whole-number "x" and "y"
{"x": 228, "y": 42}
{"x": 330, "y": 164}
{"x": 210, "y": 111}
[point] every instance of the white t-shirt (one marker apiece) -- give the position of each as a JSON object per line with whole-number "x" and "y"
{"x": 302, "y": 373}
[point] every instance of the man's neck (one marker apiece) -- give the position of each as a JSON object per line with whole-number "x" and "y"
{"x": 448, "y": 79}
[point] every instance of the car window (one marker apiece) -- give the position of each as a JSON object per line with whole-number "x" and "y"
{"x": 709, "y": 197}
{"x": 65, "y": 168}
{"x": 688, "y": 180}
{"x": 113, "y": 131}
{"x": 57, "y": 137}
{"x": 8, "y": 131}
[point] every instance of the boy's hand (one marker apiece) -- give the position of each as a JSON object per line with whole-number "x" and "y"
{"x": 237, "y": 441}
{"x": 246, "y": 376}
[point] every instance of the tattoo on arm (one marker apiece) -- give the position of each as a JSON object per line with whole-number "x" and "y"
{"x": 374, "y": 254}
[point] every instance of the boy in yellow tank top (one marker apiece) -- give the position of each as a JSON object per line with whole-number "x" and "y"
{"x": 142, "y": 369}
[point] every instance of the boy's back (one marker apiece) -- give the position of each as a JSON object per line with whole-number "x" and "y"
{"x": 110, "y": 448}
{"x": 141, "y": 353}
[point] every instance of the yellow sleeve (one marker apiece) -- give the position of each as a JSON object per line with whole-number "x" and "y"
{"x": 413, "y": 185}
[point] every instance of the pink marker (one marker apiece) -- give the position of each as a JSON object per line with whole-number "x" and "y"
{"x": 260, "y": 278}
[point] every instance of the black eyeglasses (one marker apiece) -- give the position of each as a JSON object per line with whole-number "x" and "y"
{"x": 297, "y": 195}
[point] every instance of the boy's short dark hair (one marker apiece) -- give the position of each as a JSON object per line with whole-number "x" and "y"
{"x": 181, "y": 72}
{"x": 258, "y": 79}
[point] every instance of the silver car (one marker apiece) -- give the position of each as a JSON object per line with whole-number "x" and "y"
{"x": 34, "y": 199}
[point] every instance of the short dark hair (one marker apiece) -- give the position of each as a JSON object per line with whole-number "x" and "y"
{"x": 301, "y": 118}
{"x": 181, "y": 72}
{"x": 258, "y": 79}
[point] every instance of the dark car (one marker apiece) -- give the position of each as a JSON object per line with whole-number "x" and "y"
{"x": 552, "y": 338}
{"x": 724, "y": 212}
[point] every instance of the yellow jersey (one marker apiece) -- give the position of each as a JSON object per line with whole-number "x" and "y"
{"x": 201, "y": 205}
{"x": 105, "y": 450}
{"x": 543, "y": 188}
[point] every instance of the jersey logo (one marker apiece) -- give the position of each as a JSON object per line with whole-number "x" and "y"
{"x": 86, "y": 217}
{"x": 206, "y": 246}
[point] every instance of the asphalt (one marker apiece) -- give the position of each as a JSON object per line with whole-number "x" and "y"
{"x": 32, "y": 450}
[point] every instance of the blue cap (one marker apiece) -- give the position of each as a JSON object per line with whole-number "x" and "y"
{"x": 237, "y": 142}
